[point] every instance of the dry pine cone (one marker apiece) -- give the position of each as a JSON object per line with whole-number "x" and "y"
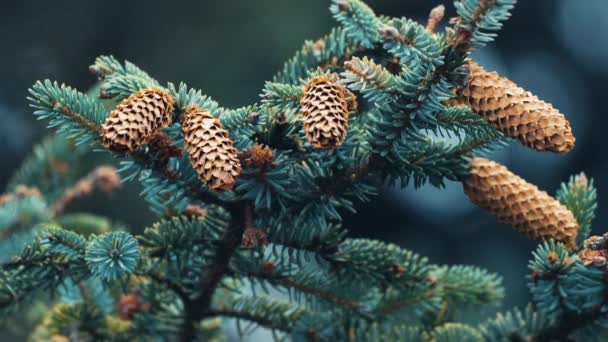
{"x": 521, "y": 204}
{"x": 136, "y": 120}
{"x": 515, "y": 112}
{"x": 211, "y": 151}
{"x": 325, "y": 113}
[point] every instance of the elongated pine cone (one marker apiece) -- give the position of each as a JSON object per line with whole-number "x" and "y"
{"x": 212, "y": 153}
{"x": 137, "y": 119}
{"x": 515, "y": 112}
{"x": 514, "y": 201}
{"x": 325, "y": 113}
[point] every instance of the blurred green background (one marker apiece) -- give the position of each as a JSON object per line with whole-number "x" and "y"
{"x": 554, "y": 48}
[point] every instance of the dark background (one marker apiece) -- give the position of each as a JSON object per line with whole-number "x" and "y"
{"x": 554, "y": 48}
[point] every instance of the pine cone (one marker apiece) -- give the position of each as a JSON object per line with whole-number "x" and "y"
{"x": 515, "y": 112}
{"x": 514, "y": 201}
{"x": 325, "y": 113}
{"x": 211, "y": 151}
{"x": 136, "y": 120}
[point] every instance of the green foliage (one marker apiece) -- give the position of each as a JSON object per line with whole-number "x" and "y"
{"x": 580, "y": 196}
{"x": 63, "y": 243}
{"x": 515, "y": 325}
{"x": 83, "y": 318}
{"x": 72, "y": 112}
{"x": 41, "y": 265}
{"x": 452, "y": 332}
{"x": 482, "y": 18}
{"x": 18, "y": 220}
{"x": 314, "y": 54}
{"x": 51, "y": 167}
{"x": 359, "y": 21}
{"x": 279, "y": 315}
{"x": 372, "y": 80}
{"x": 550, "y": 266}
{"x": 85, "y": 223}
{"x": 468, "y": 285}
{"x": 272, "y": 251}
{"x": 372, "y": 331}
{"x": 72, "y": 292}
{"x": 412, "y": 43}
{"x": 112, "y": 255}
{"x": 371, "y": 261}
{"x": 121, "y": 80}
{"x": 170, "y": 236}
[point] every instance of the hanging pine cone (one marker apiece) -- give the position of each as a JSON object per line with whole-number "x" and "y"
{"x": 514, "y": 201}
{"x": 515, "y": 112}
{"x": 325, "y": 113}
{"x": 211, "y": 151}
{"x": 136, "y": 120}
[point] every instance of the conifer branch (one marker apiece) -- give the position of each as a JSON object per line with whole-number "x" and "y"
{"x": 562, "y": 329}
{"x": 103, "y": 178}
{"x": 319, "y": 293}
{"x": 260, "y": 191}
{"x": 399, "y": 305}
{"x": 173, "y": 286}
{"x": 248, "y": 317}
{"x": 212, "y": 274}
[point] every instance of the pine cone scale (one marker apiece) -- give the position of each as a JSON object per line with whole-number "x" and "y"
{"x": 515, "y": 112}
{"x": 512, "y": 200}
{"x": 136, "y": 119}
{"x": 325, "y": 113}
{"x": 211, "y": 151}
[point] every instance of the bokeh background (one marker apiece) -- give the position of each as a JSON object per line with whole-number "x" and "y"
{"x": 554, "y": 48}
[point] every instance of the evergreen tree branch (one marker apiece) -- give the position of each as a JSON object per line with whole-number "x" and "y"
{"x": 319, "y": 293}
{"x": 214, "y": 273}
{"x": 267, "y": 323}
{"x": 103, "y": 178}
{"x": 63, "y": 103}
{"x": 562, "y": 329}
{"x": 475, "y": 18}
{"x": 173, "y": 286}
{"x": 51, "y": 167}
{"x": 399, "y": 305}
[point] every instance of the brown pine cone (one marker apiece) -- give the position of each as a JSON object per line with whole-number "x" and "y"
{"x": 521, "y": 204}
{"x": 212, "y": 153}
{"x": 515, "y": 112}
{"x": 325, "y": 112}
{"x": 137, "y": 119}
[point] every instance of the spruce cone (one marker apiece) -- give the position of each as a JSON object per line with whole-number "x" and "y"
{"x": 325, "y": 113}
{"x": 136, "y": 120}
{"x": 211, "y": 151}
{"x": 514, "y": 201}
{"x": 515, "y": 112}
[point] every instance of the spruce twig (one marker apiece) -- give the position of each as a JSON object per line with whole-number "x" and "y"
{"x": 214, "y": 273}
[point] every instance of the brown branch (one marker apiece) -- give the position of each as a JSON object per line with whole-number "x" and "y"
{"x": 144, "y": 159}
{"x": 196, "y": 191}
{"x": 319, "y": 293}
{"x": 246, "y": 316}
{"x": 103, "y": 178}
{"x": 461, "y": 34}
{"x": 569, "y": 323}
{"x": 214, "y": 273}
{"x": 435, "y": 17}
{"x": 89, "y": 125}
{"x": 348, "y": 65}
{"x": 20, "y": 192}
{"x": 389, "y": 309}
{"x": 324, "y": 295}
{"x": 176, "y": 288}
{"x": 84, "y": 292}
